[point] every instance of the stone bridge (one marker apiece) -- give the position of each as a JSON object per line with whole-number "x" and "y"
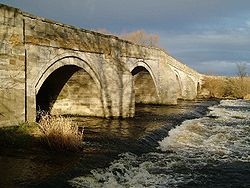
{"x": 45, "y": 65}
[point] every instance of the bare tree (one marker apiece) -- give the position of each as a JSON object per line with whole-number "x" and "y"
{"x": 142, "y": 38}
{"x": 242, "y": 70}
{"x": 242, "y": 82}
{"x": 139, "y": 37}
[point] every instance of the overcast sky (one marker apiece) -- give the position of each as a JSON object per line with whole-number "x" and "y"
{"x": 211, "y": 36}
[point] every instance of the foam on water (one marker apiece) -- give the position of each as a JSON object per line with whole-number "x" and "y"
{"x": 231, "y": 109}
{"x": 223, "y": 137}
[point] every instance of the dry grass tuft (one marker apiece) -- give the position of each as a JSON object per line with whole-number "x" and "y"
{"x": 60, "y": 134}
{"x": 227, "y": 87}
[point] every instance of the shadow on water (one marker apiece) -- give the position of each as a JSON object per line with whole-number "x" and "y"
{"x": 234, "y": 174}
{"x": 104, "y": 139}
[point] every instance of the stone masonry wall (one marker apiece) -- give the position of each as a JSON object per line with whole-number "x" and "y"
{"x": 12, "y": 67}
{"x": 40, "y": 31}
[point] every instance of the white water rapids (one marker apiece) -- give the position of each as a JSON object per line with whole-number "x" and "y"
{"x": 212, "y": 151}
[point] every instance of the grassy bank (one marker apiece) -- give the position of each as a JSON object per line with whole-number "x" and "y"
{"x": 226, "y": 87}
{"x": 54, "y": 133}
{"x": 20, "y": 136}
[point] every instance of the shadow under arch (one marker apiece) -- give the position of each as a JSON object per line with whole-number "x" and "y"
{"x": 144, "y": 84}
{"x": 70, "y": 79}
{"x": 148, "y": 69}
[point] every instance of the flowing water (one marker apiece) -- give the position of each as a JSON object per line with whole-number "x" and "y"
{"x": 105, "y": 139}
{"x": 211, "y": 151}
{"x": 193, "y": 144}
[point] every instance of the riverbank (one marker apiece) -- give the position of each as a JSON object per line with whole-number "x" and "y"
{"x": 103, "y": 141}
{"x": 222, "y": 87}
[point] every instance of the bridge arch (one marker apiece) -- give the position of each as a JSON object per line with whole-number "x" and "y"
{"x": 69, "y": 85}
{"x": 144, "y": 83}
{"x": 49, "y": 68}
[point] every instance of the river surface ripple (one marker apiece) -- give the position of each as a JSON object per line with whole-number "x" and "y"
{"x": 211, "y": 151}
{"x": 193, "y": 144}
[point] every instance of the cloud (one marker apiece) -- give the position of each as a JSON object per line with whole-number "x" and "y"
{"x": 193, "y": 31}
{"x": 218, "y": 67}
{"x": 123, "y": 14}
{"x": 210, "y": 51}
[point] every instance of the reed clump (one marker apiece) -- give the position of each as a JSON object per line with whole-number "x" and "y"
{"x": 59, "y": 133}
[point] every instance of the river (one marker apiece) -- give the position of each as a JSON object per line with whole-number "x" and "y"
{"x": 193, "y": 144}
